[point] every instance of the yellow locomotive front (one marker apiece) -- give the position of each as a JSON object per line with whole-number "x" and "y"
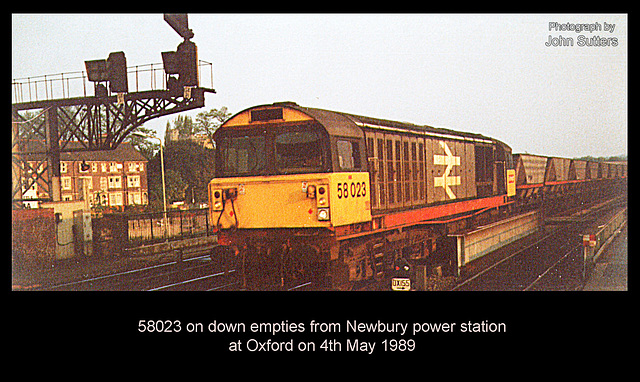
{"x": 291, "y": 201}
{"x": 286, "y": 176}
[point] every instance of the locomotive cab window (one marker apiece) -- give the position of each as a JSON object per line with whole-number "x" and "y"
{"x": 271, "y": 150}
{"x": 348, "y": 154}
{"x": 299, "y": 152}
{"x": 242, "y": 155}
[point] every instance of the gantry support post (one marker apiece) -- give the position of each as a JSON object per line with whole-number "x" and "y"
{"x": 53, "y": 151}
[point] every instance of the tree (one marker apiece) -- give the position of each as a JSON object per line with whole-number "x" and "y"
{"x": 191, "y": 165}
{"x": 208, "y": 121}
{"x": 617, "y": 158}
{"x": 143, "y": 144}
{"x": 184, "y": 125}
{"x": 195, "y": 164}
{"x": 188, "y": 169}
{"x": 175, "y": 188}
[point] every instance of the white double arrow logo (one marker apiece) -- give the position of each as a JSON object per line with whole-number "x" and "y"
{"x": 445, "y": 180}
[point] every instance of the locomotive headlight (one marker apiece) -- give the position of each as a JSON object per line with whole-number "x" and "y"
{"x": 322, "y": 202}
{"x": 216, "y": 200}
{"x": 323, "y": 214}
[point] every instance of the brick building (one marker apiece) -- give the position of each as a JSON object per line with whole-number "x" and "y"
{"x": 113, "y": 178}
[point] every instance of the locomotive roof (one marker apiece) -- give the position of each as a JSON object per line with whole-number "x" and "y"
{"x": 346, "y": 124}
{"x": 385, "y": 124}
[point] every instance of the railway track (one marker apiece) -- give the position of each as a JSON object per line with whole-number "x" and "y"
{"x": 193, "y": 274}
{"x": 552, "y": 262}
{"x": 564, "y": 274}
{"x": 526, "y": 268}
{"x": 207, "y": 282}
{"x": 196, "y": 272}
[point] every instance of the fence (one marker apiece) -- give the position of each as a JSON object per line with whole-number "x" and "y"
{"x": 76, "y": 84}
{"x": 150, "y": 228}
{"x": 602, "y": 238}
{"x": 115, "y": 232}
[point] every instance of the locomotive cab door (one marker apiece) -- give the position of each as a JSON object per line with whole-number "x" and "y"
{"x": 500, "y": 184}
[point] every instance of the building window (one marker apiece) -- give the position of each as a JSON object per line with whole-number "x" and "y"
{"x": 87, "y": 182}
{"x": 133, "y": 181}
{"x": 65, "y": 183}
{"x": 134, "y": 198}
{"x": 115, "y": 198}
{"x": 94, "y": 167}
{"x": 67, "y": 198}
{"x": 80, "y": 167}
{"x": 135, "y": 167}
{"x": 63, "y": 167}
{"x": 103, "y": 183}
{"x": 115, "y": 182}
{"x": 115, "y": 167}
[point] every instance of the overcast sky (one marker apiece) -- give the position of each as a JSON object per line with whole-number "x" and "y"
{"x": 488, "y": 74}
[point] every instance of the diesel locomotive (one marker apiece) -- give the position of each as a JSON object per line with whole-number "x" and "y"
{"x": 330, "y": 198}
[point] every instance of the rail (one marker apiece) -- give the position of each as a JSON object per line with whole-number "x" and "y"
{"x": 553, "y": 256}
{"x": 196, "y": 272}
{"x": 76, "y": 84}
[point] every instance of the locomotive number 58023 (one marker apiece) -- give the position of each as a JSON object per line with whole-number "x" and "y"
{"x": 352, "y": 190}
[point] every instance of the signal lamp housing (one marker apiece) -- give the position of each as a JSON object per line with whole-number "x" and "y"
{"x": 184, "y": 63}
{"x": 113, "y": 69}
{"x": 171, "y": 62}
{"x": 117, "y": 72}
{"x": 96, "y": 70}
